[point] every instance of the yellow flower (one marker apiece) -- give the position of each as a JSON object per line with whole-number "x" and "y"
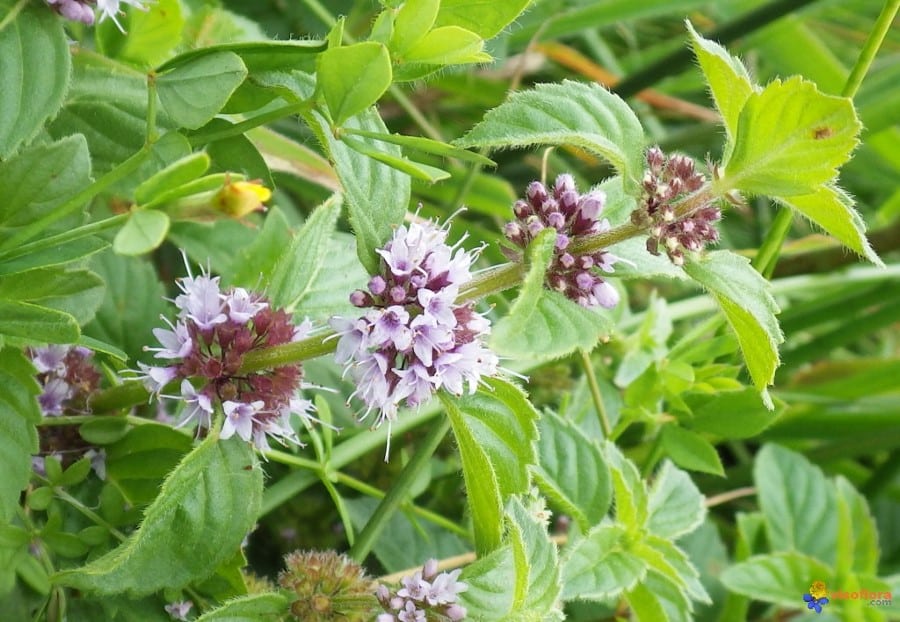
{"x": 238, "y": 198}
{"x": 817, "y": 589}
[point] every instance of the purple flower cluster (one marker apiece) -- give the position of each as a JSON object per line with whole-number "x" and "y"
{"x": 83, "y": 11}
{"x": 571, "y": 214}
{"x": 415, "y": 338}
{"x": 666, "y": 181}
{"x": 213, "y": 332}
{"x": 425, "y": 596}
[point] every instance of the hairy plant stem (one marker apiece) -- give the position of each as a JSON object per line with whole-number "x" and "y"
{"x": 399, "y": 490}
{"x": 597, "y": 397}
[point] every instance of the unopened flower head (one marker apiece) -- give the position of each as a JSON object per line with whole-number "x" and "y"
{"x": 424, "y": 595}
{"x": 328, "y": 586}
{"x": 666, "y": 181}
{"x": 571, "y": 214}
{"x": 205, "y": 349}
{"x": 414, "y": 337}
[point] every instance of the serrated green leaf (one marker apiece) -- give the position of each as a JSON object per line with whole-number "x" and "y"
{"x": 832, "y": 209}
{"x": 250, "y": 608}
{"x": 301, "y": 263}
{"x": 797, "y": 501}
{"x": 671, "y": 562}
{"x": 18, "y": 436}
{"x": 743, "y": 294}
{"x": 571, "y": 113}
{"x": 145, "y": 231}
{"x": 178, "y": 173}
{"x": 790, "y": 139}
{"x": 193, "y": 93}
{"x": 259, "y": 259}
{"x": 414, "y": 19}
{"x": 76, "y": 293}
{"x": 544, "y": 324}
{"x": 599, "y": 566}
{"x": 571, "y": 471}
{"x": 857, "y": 536}
{"x": 631, "y": 497}
{"x": 37, "y": 324}
{"x": 148, "y": 35}
{"x": 447, "y": 45}
{"x": 676, "y": 505}
{"x": 489, "y": 579}
{"x": 658, "y": 599}
{"x": 728, "y": 80}
{"x": 730, "y": 414}
{"x": 690, "y": 451}
{"x": 53, "y": 256}
{"x": 536, "y": 562}
{"x": 35, "y": 64}
{"x": 484, "y": 17}
{"x": 210, "y": 492}
{"x": 780, "y": 578}
{"x": 327, "y": 295}
{"x": 352, "y": 78}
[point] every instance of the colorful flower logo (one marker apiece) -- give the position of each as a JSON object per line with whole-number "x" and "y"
{"x": 816, "y": 598}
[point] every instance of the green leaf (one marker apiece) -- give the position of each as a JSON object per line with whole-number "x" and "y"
{"x": 145, "y": 231}
{"x": 599, "y": 566}
{"x": 537, "y": 567}
{"x": 658, "y": 599}
{"x": 416, "y": 170}
{"x": 832, "y": 209}
{"x": 571, "y": 113}
{"x": 149, "y": 34}
{"x": 689, "y": 450}
{"x": 414, "y": 19}
{"x": 448, "y": 45}
{"x": 730, "y": 414}
{"x": 749, "y": 308}
{"x": 301, "y": 263}
{"x": 544, "y": 324}
{"x": 35, "y": 64}
{"x": 193, "y": 93}
{"x": 210, "y": 492}
{"x": 259, "y": 259}
{"x": 671, "y": 562}
{"x": 250, "y": 608}
{"x": 53, "y": 256}
{"x": 484, "y": 17}
{"x": 40, "y": 179}
{"x": 176, "y": 174}
{"x": 728, "y": 80}
{"x": 19, "y": 413}
{"x": 258, "y": 56}
{"x": 35, "y": 323}
{"x": 77, "y": 293}
{"x": 138, "y": 462}
{"x": 631, "y": 498}
{"x": 377, "y": 195}
{"x": 327, "y": 294}
{"x": 352, "y": 78}
{"x": 797, "y": 501}
{"x": 571, "y": 471}
{"x": 489, "y": 596}
{"x": 790, "y": 139}
{"x": 128, "y": 312}
{"x": 857, "y": 539}
{"x": 420, "y": 143}
{"x": 676, "y": 505}
{"x": 780, "y": 578}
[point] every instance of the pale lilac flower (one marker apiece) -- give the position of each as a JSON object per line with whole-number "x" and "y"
{"x": 242, "y": 306}
{"x": 425, "y": 592}
{"x": 239, "y": 418}
{"x": 156, "y": 378}
{"x": 98, "y": 461}
{"x": 111, "y": 8}
{"x": 198, "y": 405}
{"x": 50, "y": 358}
{"x": 56, "y": 391}
{"x": 179, "y": 610}
{"x": 177, "y": 343}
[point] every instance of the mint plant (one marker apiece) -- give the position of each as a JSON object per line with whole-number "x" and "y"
{"x": 593, "y": 411}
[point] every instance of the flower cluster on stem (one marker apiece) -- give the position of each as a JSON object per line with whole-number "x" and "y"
{"x": 205, "y": 348}
{"x": 83, "y": 11}
{"x": 414, "y": 338}
{"x": 571, "y": 214}
{"x": 665, "y": 182}
{"x": 327, "y": 586}
{"x": 425, "y": 596}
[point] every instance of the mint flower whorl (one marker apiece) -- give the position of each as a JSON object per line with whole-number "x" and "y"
{"x": 328, "y": 586}
{"x": 666, "y": 181}
{"x": 571, "y": 214}
{"x": 83, "y": 11}
{"x": 426, "y": 595}
{"x": 213, "y": 332}
{"x": 415, "y": 338}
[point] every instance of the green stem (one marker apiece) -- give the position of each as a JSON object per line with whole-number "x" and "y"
{"x": 874, "y": 41}
{"x": 399, "y": 490}
{"x": 13, "y": 13}
{"x": 78, "y": 200}
{"x": 591, "y": 376}
{"x": 683, "y": 56}
{"x": 203, "y": 138}
{"x": 67, "y": 236}
{"x": 767, "y": 256}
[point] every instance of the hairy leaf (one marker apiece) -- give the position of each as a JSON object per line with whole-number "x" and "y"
{"x": 676, "y": 505}
{"x": 691, "y": 451}
{"x": 857, "y": 537}
{"x": 353, "y": 77}
{"x": 780, "y": 578}
{"x": 536, "y": 562}
{"x": 599, "y": 566}
{"x": 570, "y": 113}
{"x": 19, "y": 413}
{"x": 484, "y": 17}
{"x": 250, "y": 608}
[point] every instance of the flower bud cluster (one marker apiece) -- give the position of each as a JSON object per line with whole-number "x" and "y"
{"x": 83, "y": 11}
{"x": 213, "y": 332}
{"x": 67, "y": 378}
{"x": 424, "y": 596}
{"x": 328, "y": 586}
{"x": 571, "y": 214}
{"x": 415, "y": 338}
{"x": 667, "y": 180}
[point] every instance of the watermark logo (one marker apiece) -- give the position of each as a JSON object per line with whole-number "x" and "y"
{"x": 818, "y": 596}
